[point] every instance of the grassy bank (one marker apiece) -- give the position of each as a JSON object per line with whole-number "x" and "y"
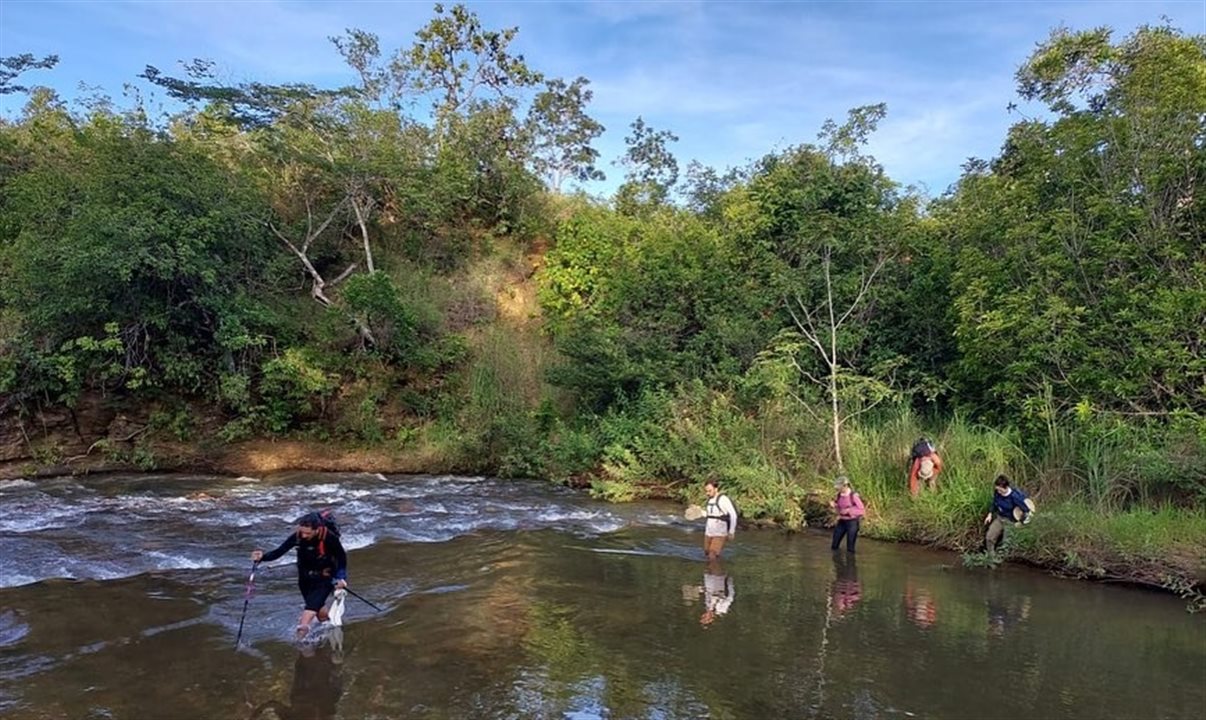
{"x": 1114, "y": 504}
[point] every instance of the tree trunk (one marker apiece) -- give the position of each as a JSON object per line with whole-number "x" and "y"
{"x": 833, "y": 369}
{"x": 837, "y": 421}
{"x": 360, "y": 220}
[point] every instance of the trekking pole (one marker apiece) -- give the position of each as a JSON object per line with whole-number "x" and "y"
{"x": 361, "y": 599}
{"x": 246, "y": 599}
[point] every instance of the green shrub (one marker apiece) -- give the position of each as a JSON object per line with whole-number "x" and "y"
{"x": 294, "y": 386}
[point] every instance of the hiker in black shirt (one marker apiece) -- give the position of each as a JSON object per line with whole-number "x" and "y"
{"x": 322, "y": 565}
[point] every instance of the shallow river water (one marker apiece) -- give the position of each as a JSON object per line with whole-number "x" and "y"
{"x": 120, "y": 597}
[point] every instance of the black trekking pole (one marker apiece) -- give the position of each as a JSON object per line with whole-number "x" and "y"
{"x": 358, "y": 597}
{"x": 246, "y": 599}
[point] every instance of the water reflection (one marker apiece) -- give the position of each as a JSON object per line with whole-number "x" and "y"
{"x": 845, "y": 590}
{"x": 920, "y": 606}
{"x": 1006, "y": 611}
{"x": 718, "y": 592}
{"x": 317, "y": 683}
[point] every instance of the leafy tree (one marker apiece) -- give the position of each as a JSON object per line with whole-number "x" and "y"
{"x": 827, "y": 232}
{"x": 562, "y": 133}
{"x": 706, "y": 188}
{"x": 114, "y": 235}
{"x": 650, "y": 168}
{"x": 845, "y": 142}
{"x": 1080, "y": 260}
{"x": 455, "y": 58}
{"x": 13, "y": 66}
{"x": 645, "y": 303}
{"x": 250, "y": 105}
{"x": 473, "y": 156}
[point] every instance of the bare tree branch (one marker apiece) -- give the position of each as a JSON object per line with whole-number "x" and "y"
{"x": 808, "y": 332}
{"x": 312, "y": 235}
{"x": 360, "y": 220}
{"x": 866, "y": 285}
{"x": 343, "y": 275}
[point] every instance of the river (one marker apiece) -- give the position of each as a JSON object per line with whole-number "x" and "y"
{"x": 120, "y": 597}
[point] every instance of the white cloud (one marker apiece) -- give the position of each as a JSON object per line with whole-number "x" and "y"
{"x": 732, "y": 80}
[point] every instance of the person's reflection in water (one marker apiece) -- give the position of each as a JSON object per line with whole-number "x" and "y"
{"x": 846, "y": 589}
{"x": 1006, "y": 613}
{"x": 718, "y": 593}
{"x": 317, "y": 683}
{"x": 920, "y": 607}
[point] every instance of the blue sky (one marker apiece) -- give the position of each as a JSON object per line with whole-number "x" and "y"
{"x": 734, "y": 81}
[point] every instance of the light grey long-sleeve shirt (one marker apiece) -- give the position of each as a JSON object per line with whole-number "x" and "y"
{"x": 715, "y": 510}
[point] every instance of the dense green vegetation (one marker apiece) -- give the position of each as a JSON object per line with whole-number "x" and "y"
{"x": 355, "y": 266}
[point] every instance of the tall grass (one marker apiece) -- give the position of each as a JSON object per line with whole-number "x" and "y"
{"x": 670, "y": 443}
{"x": 1099, "y": 516}
{"x": 776, "y": 464}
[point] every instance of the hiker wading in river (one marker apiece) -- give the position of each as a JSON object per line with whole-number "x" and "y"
{"x": 721, "y": 522}
{"x": 322, "y": 564}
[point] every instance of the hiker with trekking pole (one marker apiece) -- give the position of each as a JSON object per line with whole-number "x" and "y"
{"x": 322, "y": 568}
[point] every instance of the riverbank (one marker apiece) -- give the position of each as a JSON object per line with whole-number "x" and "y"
{"x": 1161, "y": 549}
{"x": 252, "y": 457}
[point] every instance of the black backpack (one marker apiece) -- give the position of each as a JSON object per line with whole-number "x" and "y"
{"x": 327, "y": 526}
{"x": 730, "y": 521}
{"x": 921, "y": 448}
{"x": 328, "y": 521}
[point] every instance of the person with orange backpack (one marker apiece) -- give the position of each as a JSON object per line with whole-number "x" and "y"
{"x": 924, "y": 464}
{"x": 322, "y": 564}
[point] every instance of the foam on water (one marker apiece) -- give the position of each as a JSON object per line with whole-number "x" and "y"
{"x": 51, "y": 521}
{"x": 168, "y": 561}
{"x": 17, "y": 483}
{"x": 358, "y": 540}
{"x": 87, "y": 531}
{"x": 12, "y": 630}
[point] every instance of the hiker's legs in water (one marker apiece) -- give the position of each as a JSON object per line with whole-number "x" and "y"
{"x": 315, "y": 592}
{"x": 305, "y": 621}
{"x": 839, "y": 531}
{"x": 713, "y": 544}
{"x": 851, "y": 534}
{"x": 995, "y": 534}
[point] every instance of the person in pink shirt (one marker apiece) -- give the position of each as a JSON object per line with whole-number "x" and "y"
{"x": 849, "y": 507}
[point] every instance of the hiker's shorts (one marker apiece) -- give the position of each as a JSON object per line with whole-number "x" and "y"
{"x": 315, "y": 591}
{"x": 713, "y": 544}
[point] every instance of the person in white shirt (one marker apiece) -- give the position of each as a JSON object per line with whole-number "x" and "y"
{"x": 721, "y": 520}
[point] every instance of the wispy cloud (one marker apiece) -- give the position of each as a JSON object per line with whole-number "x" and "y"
{"x": 733, "y": 80}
